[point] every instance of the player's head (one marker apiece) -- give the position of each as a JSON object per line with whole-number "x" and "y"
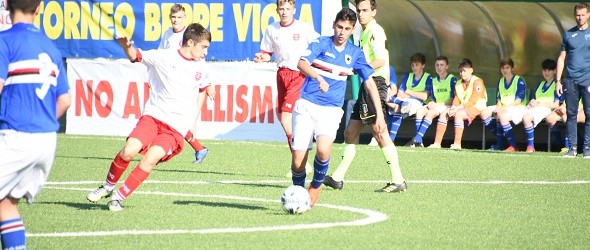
{"x": 417, "y": 63}
{"x": 549, "y": 69}
{"x": 27, "y": 7}
{"x": 441, "y": 65}
{"x": 366, "y": 9}
{"x": 286, "y": 11}
{"x": 343, "y": 25}
{"x": 465, "y": 69}
{"x": 177, "y": 17}
{"x": 197, "y": 38}
{"x": 506, "y": 66}
{"x": 581, "y": 13}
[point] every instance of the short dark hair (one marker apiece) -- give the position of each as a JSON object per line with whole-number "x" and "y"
{"x": 442, "y": 58}
{"x": 346, "y": 14}
{"x": 507, "y": 61}
{"x": 580, "y": 6}
{"x": 25, "y": 6}
{"x": 195, "y": 32}
{"x": 373, "y": 3}
{"x": 465, "y": 63}
{"x": 418, "y": 58}
{"x": 549, "y": 64}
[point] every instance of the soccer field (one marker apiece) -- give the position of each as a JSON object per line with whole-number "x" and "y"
{"x": 456, "y": 199}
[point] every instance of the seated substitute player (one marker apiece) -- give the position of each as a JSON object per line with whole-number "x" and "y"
{"x": 168, "y": 115}
{"x": 510, "y": 107}
{"x": 373, "y": 46}
{"x": 326, "y": 64}
{"x": 443, "y": 87}
{"x": 34, "y": 93}
{"x": 542, "y": 101}
{"x": 470, "y": 99}
{"x": 172, "y": 39}
{"x": 415, "y": 89}
{"x": 560, "y": 115}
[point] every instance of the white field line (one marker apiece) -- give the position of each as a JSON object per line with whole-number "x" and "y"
{"x": 490, "y": 182}
{"x": 372, "y": 217}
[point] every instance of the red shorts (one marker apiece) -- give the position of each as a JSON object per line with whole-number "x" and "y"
{"x": 150, "y": 132}
{"x": 289, "y": 84}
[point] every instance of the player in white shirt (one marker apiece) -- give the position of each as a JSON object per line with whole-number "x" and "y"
{"x": 172, "y": 39}
{"x": 176, "y": 76}
{"x": 286, "y": 40}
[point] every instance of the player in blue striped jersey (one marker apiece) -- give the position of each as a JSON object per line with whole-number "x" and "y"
{"x": 326, "y": 63}
{"x": 34, "y": 93}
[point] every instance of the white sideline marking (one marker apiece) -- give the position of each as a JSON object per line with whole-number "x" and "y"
{"x": 492, "y": 182}
{"x": 372, "y": 217}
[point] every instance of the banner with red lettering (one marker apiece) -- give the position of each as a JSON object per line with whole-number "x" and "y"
{"x": 108, "y": 96}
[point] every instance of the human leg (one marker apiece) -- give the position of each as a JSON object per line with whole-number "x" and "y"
{"x": 572, "y": 97}
{"x": 351, "y": 136}
{"x": 12, "y": 227}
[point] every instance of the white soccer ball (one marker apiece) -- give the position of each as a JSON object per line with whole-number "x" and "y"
{"x": 295, "y": 200}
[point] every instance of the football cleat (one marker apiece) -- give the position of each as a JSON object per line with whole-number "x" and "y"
{"x": 455, "y": 146}
{"x": 434, "y": 145}
{"x": 330, "y": 182}
{"x": 530, "y": 149}
{"x": 510, "y": 149}
{"x": 393, "y": 188}
{"x": 200, "y": 155}
{"x": 572, "y": 152}
{"x": 99, "y": 193}
{"x": 314, "y": 195}
{"x": 586, "y": 153}
{"x": 115, "y": 205}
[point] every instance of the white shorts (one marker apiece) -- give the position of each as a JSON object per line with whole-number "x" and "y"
{"x": 516, "y": 113}
{"x": 539, "y": 113}
{"x": 413, "y": 104}
{"x": 311, "y": 120}
{"x": 25, "y": 162}
{"x": 441, "y": 108}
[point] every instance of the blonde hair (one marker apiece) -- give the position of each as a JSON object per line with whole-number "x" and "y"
{"x": 281, "y": 2}
{"x": 176, "y": 8}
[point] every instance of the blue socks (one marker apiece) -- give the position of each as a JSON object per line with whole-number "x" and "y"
{"x": 12, "y": 233}
{"x": 422, "y": 130}
{"x": 394, "y": 123}
{"x": 320, "y": 168}
{"x": 298, "y": 178}
{"x": 530, "y": 136}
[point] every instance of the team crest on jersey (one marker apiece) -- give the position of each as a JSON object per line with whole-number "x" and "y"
{"x": 198, "y": 76}
{"x": 296, "y": 37}
{"x": 348, "y": 59}
{"x": 587, "y": 36}
{"x": 478, "y": 89}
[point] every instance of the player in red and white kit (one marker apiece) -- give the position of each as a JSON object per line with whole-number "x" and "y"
{"x": 172, "y": 39}
{"x": 176, "y": 76}
{"x": 287, "y": 40}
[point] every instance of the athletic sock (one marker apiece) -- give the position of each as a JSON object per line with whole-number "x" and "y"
{"x": 347, "y": 157}
{"x": 441, "y": 127}
{"x": 500, "y": 139}
{"x": 118, "y": 167}
{"x": 12, "y": 234}
{"x": 490, "y": 125}
{"x": 395, "y": 100}
{"x": 391, "y": 158}
{"x": 509, "y": 134}
{"x": 194, "y": 142}
{"x": 530, "y": 136}
{"x": 418, "y": 123}
{"x": 422, "y": 130}
{"x": 320, "y": 168}
{"x": 396, "y": 121}
{"x": 133, "y": 181}
{"x": 459, "y": 128}
{"x": 298, "y": 178}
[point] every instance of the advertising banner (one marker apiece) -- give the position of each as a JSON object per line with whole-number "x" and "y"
{"x": 109, "y": 95}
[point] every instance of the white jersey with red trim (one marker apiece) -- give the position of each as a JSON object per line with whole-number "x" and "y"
{"x": 171, "y": 39}
{"x": 287, "y": 43}
{"x": 174, "y": 87}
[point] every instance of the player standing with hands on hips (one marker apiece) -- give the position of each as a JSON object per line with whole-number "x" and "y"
{"x": 326, "y": 63}
{"x": 575, "y": 56}
{"x": 287, "y": 39}
{"x": 168, "y": 115}
{"x": 34, "y": 93}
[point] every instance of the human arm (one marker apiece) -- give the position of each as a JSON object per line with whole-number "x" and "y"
{"x": 305, "y": 68}
{"x": 63, "y": 103}
{"x": 262, "y": 56}
{"x": 128, "y": 48}
{"x": 558, "y": 75}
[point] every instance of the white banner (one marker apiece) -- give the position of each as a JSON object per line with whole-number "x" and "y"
{"x": 108, "y": 96}
{"x": 5, "y": 22}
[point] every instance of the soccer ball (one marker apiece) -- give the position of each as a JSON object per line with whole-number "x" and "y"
{"x": 295, "y": 200}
